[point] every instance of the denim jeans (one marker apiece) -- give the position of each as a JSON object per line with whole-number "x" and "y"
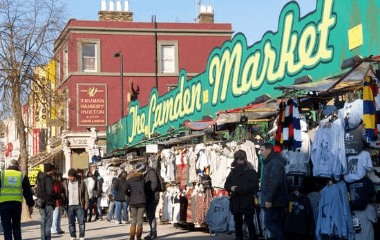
{"x": 111, "y": 209}
{"x": 10, "y": 213}
{"x": 77, "y": 212}
{"x": 46, "y": 222}
{"x": 151, "y": 207}
{"x": 99, "y": 208}
{"x": 274, "y": 220}
{"x": 57, "y": 215}
{"x": 121, "y": 211}
{"x": 88, "y": 213}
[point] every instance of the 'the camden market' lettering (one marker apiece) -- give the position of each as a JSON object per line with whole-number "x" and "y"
{"x": 233, "y": 70}
{"x": 265, "y": 64}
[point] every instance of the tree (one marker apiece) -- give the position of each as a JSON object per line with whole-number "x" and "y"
{"x": 28, "y": 29}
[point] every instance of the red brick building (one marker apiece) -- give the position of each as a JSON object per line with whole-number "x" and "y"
{"x": 153, "y": 53}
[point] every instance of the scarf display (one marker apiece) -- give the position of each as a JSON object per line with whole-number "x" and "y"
{"x": 370, "y": 90}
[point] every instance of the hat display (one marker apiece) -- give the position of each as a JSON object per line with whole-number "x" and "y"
{"x": 140, "y": 167}
{"x": 48, "y": 167}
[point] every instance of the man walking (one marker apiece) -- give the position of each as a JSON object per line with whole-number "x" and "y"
{"x": 153, "y": 188}
{"x": 14, "y": 186}
{"x": 274, "y": 193}
{"x": 46, "y": 195}
{"x": 77, "y": 202}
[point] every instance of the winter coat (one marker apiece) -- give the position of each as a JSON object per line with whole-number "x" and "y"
{"x": 82, "y": 193}
{"x": 135, "y": 189}
{"x": 47, "y": 193}
{"x": 151, "y": 184}
{"x": 274, "y": 187}
{"x": 247, "y": 184}
{"x": 98, "y": 190}
{"x": 120, "y": 186}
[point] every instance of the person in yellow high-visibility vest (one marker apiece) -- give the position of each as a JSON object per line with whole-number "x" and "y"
{"x": 14, "y": 186}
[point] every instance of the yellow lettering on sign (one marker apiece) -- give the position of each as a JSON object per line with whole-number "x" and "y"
{"x": 205, "y": 96}
{"x": 355, "y": 37}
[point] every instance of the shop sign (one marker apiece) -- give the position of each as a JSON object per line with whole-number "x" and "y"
{"x": 315, "y": 45}
{"x": 152, "y": 148}
{"x": 92, "y": 104}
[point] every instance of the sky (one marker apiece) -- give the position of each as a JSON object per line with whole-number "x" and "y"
{"x": 250, "y": 17}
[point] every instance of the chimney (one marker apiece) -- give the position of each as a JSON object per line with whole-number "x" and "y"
{"x": 206, "y": 14}
{"x": 115, "y": 15}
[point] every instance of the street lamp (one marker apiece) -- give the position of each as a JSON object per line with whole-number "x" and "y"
{"x": 118, "y": 54}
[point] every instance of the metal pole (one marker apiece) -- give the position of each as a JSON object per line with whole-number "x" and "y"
{"x": 121, "y": 85}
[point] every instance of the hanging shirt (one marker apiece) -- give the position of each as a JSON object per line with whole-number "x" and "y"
{"x": 363, "y": 223}
{"x": 299, "y": 218}
{"x": 351, "y": 114}
{"x": 357, "y": 166}
{"x": 360, "y": 193}
{"x": 328, "y": 153}
{"x": 298, "y": 160}
{"x": 354, "y": 141}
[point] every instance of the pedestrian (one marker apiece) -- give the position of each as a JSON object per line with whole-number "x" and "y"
{"x": 242, "y": 183}
{"x": 90, "y": 184}
{"x": 14, "y": 186}
{"x": 274, "y": 193}
{"x": 152, "y": 189}
{"x": 77, "y": 203}
{"x": 135, "y": 191}
{"x": 57, "y": 214}
{"x": 111, "y": 196}
{"x": 98, "y": 194}
{"x": 121, "y": 210}
{"x": 46, "y": 195}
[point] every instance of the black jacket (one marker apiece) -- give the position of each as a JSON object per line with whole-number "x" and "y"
{"x": 274, "y": 188}
{"x": 120, "y": 186}
{"x": 151, "y": 184}
{"x": 135, "y": 189}
{"x": 26, "y": 189}
{"x": 247, "y": 182}
{"x": 47, "y": 193}
{"x": 98, "y": 190}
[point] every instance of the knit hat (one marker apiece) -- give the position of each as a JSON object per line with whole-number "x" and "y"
{"x": 48, "y": 167}
{"x": 140, "y": 167}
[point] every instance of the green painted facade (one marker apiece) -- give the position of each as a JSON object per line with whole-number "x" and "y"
{"x": 236, "y": 74}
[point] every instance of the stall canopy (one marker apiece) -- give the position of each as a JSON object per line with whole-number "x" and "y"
{"x": 350, "y": 79}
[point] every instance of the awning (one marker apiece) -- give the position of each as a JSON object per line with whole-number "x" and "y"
{"x": 353, "y": 78}
{"x": 43, "y": 158}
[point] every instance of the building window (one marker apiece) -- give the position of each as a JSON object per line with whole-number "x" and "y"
{"x": 58, "y": 70}
{"x": 89, "y": 55}
{"x": 65, "y": 62}
{"x": 168, "y": 57}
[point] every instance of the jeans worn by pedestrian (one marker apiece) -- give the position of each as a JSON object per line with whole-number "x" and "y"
{"x": 99, "y": 214}
{"x": 274, "y": 220}
{"x": 90, "y": 209}
{"x": 46, "y": 222}
{"x": 57, "y": 216}
{"x": 151, "y": 215}
{"x": 76, "y": 212}
{"x": 121, "y": 211}
{"x": 10, "y": 213}
{"x": 111, "y": 210}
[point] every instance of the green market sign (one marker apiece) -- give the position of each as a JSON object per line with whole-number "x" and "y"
{"x": 236, "y": 74}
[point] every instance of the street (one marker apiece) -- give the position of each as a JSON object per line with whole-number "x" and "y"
{"x": 110, "y": 230}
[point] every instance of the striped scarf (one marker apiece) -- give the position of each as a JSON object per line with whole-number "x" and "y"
{"x": 289, "y": 133}
{"x": 370, "y": 90}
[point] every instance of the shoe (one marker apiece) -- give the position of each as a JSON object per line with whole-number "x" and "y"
{"x": 109, "y": 220}
{"x": 81, "y": 238}
{"x": 61, "y": 232}
{"x": 72, "y": 238}
{"x": 154, "y": 235}
{"x": 124, "y": 222}
{"x": 117, "y": 222}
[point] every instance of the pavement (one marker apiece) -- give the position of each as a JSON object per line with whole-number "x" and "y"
{"x": 110, "y": 230}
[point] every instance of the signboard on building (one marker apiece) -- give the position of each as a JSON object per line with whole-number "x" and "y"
{"x": 92, "y": 104}
{"x": 235, "y": 74}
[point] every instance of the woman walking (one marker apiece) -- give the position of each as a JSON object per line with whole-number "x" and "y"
{"x": 57, "y": 213}
{"x": 135, "y": 192}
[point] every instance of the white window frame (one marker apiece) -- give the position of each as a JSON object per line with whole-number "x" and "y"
{"x": 65, "y": 62}
{"x": 96, "y": 42}
{"x": 160, "y": 60}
